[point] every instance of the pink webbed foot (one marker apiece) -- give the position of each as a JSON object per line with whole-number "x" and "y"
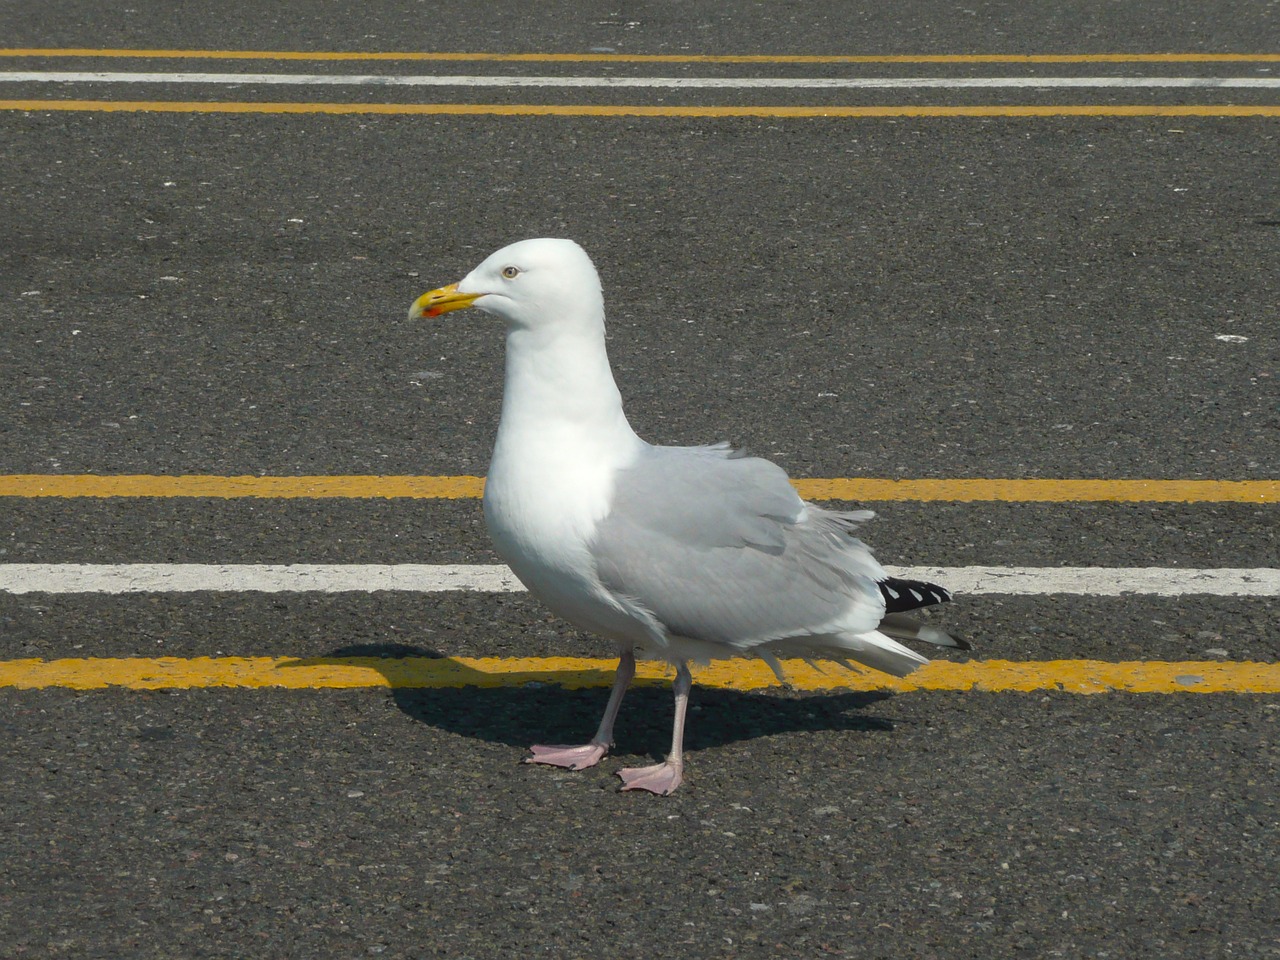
{"x": 573, "y": 758}
{"x": 661, "y": 778}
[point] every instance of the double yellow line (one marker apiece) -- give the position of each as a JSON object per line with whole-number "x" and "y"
{"x": 1079, "y": 676}
{"x": 870, "y": 489}
{"x": 645, "y": 110}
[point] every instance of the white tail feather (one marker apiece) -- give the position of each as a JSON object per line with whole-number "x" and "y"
{"x": 902, "y": 627}
{"x": 872, "y": 649}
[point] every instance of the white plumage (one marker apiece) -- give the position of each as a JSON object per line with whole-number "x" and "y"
{"x": 679, "y": 553}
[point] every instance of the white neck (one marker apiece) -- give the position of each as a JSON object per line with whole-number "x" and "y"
{"x": 559, "y": 384}
{"x": 561, "y": 440}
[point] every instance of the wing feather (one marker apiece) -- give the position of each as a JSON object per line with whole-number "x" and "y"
{"x": 721, "y": 549}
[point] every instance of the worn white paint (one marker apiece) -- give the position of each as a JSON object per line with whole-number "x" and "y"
{"x": 689, "y": 83}
{"x": 436, "y": 578}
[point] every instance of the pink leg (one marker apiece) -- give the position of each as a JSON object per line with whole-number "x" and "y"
{"x": 663, "y": 778}
{"x": 589, "y": 754}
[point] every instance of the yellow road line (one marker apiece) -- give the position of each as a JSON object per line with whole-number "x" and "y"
{"x": 645, "y": 58}
{"x": 464, "y": 487}
{"x": 1044, "y": 490}
{"x": 285, "y": 488}
{"x": 635, "y": 110}
{"x": 992, "y": 676}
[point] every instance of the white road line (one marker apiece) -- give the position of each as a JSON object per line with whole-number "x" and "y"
{"x": 1103, "y": 581}
{"x": 700, "y": 83}
{"x": 431, "y": 578}
{"x": 261, "y": 577}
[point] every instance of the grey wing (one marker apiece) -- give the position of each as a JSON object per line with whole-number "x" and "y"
{"x": 720, "y": 548}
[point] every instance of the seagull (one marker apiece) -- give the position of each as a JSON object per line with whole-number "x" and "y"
{"x": 673, "y": 553}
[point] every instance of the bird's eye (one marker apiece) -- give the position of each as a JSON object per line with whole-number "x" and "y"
{"x": 511, "y": 272}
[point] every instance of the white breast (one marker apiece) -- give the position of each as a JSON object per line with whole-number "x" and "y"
{"x": 544, "y": 495}
{"x": 561, "y": 440}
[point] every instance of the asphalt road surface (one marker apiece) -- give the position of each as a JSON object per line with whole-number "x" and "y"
{"x": 186, "y": 292}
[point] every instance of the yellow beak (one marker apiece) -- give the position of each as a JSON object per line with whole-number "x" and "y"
{"x": 441, "y": 301}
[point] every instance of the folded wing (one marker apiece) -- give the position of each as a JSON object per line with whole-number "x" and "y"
{"x": 719, "y": 548}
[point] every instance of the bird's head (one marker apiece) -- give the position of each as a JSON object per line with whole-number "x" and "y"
{"x": 528, "y": 284}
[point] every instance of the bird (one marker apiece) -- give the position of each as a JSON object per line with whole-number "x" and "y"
{"x": 674, "y": 553}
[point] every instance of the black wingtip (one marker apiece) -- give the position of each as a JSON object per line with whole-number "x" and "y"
{"x": 901, "y": 595}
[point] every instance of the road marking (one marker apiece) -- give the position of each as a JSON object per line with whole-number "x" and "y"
{"x": 1042, "y": 490}
{"x": 431, "y": 56}
{"x": 988, "y": 676}
{"x": 644, "y": 110}
{"x": 483, "y": 578}
{"x": 198, "y": 485}
{"x": 689, "y": 83}
{"x": 260, "y": 577}
{"x": 866, "y": 489}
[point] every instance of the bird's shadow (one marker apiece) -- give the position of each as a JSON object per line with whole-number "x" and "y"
{"x": 537, "y": 711}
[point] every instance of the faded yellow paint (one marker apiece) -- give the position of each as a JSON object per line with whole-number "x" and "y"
{"x": 989, "y": 676}
{"x": 864, "y": 489}
{"x": 198, "y": 485}
{"x": 1044, "y": 490}
{"x": 432, "y": 56}
{"x": 622, "y": 110}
